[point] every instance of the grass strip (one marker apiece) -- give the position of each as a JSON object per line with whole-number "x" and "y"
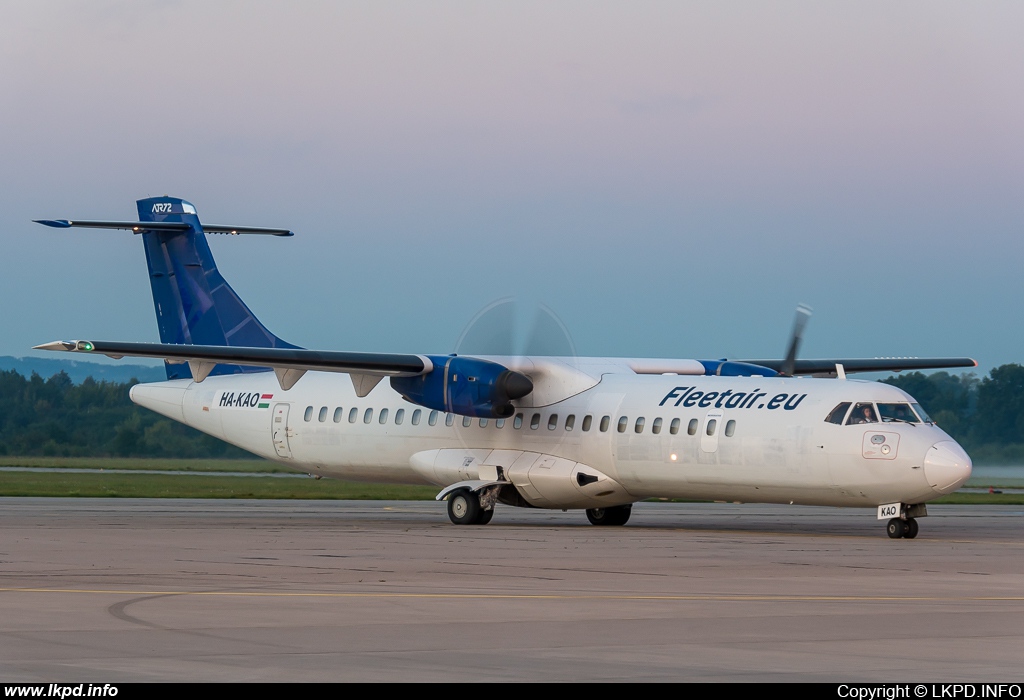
{"x": 141, "y": 485}
{"x": 132, "y": 464}
{"x": 987, "y": 499}
{"x": 128, "y": 484}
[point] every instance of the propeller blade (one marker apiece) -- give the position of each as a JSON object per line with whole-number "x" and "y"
{"x": 498, "y": 329}
{"x": 492, "y": 331}
{"x": 548, "y": 336}
{"x": 803, "y": 314}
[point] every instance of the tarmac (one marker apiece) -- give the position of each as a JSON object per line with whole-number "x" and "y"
{"x": 121, "y": 590}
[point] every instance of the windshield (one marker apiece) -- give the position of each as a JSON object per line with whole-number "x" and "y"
{"x": 897, "y": 412}
{"x": 921, "y": 412}
{"x": 838, "y": 413}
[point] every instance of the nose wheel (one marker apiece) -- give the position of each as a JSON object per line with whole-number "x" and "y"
{"x": 897, "y": 528}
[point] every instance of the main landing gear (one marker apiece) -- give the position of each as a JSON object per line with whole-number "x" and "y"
{"x": 464, "y": 508}
{"x": 902, "y": 528}
{"x": 616, "y": 515}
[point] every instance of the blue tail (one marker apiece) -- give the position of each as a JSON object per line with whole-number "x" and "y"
{"x": 194, "y": 304}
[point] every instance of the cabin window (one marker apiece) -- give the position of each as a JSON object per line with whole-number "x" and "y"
{"x": 518, "y": 422}
{"x": 308, "y": 416}
{"x": 368, "y": 415}
{"x": 383, "y": 416}
{"x": 897, "y": 413}
{"x": 674, "y": 426}
{"x": 399, "y": 416}
{"x": 323, "y": 414}
{"x": 656, "y": 426}
{"x": 500, "y": 423}
{"x": 353, "y": 414}
{"x": 553, "y": 421}
{"x": 483, "y": 422}
{"x": 730, "y": 428}
{"x": 416, "y": 416}
{"x": 639, "y": 427}
{"x": 449, "y": 419}
{"x": 605, "y": 421}
{"x": 588, "y": 420}
{"x": 838, "y": 413}
{"x": 862, "y": 413}
{"x": 466, "y": 421}
{"x": 623, "y": 423}
{"x": 432, "y": 418}
{"x": 691, "y": 427}
{"x": 570, "y": 422}
{"x": 535, "y": 421}
{"x": 339, "y": 413}
{"x": 712, "y": 424}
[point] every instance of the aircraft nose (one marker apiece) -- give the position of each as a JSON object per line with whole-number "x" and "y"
{"x": 946, "y": 466}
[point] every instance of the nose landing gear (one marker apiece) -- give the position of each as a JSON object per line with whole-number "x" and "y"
{"x": 905, "y": 526}
{"x": 902, "y": 528}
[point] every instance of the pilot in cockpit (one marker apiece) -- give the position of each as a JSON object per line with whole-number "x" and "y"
{"x": 863, "y": 413}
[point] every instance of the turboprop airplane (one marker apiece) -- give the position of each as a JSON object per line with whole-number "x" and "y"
{"x": 590, "y": 433}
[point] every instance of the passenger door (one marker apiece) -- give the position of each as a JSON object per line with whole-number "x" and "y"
{"x": 279, "y": 430}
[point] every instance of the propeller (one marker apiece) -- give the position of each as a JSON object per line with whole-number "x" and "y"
{"x": 803, "y": 315}
{"x": 514, "y": 328}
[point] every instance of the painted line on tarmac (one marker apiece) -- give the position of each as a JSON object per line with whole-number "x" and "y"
{"x": 529, "y": 596}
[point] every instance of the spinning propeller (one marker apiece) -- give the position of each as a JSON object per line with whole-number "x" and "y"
{"x": 510, "y": 327}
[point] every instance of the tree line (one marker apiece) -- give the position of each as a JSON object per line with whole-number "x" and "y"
{"x": 984, "y": 415}
{"x": 56, "y": 417}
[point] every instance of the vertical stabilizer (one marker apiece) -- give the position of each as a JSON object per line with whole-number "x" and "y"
{"x": 194, "y": 303}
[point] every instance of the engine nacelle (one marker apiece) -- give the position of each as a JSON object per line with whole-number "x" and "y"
{"x": 466, "y": 386}
{"x": 725, "y": 368}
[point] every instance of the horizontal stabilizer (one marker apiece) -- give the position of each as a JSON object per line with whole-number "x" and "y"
{"x": 143, "y": 226}
{"x": 136, "y": 226}
{"x": 827, "y": 367}
{"x": 238, "y": 230}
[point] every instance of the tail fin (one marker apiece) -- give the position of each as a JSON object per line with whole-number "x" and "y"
{"x": 194, "y": 304}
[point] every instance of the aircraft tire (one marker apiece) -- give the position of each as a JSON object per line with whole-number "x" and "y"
{"x": 485, "y": 516}
{"x": 463, "y": 507}
{"x": 911, "y": 528}
{"x": 616, "y": 515}
{"x": 895, "y": 528}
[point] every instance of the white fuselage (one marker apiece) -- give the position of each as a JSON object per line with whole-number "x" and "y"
{"x": 769, "y": 441}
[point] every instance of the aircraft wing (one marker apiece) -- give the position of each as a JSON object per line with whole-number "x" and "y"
{"x": 827, "y": 367}
{"x": 366, "y": 368}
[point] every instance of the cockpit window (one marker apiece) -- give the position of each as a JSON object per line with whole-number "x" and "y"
{"x": 897, "y": 413}
{"x": 862, "y": 413}
{"x": 838, "y": 413}
{"x": 921, "y": 413}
